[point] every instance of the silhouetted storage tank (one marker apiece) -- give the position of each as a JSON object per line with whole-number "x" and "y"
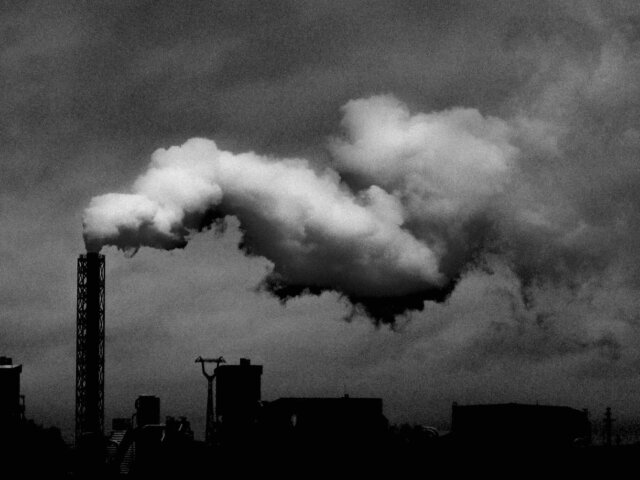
{"x": 147, "y": 410}
{"x": 10, "y": 407}
{"x": 238, "y": 392}
{"x": 516, "y": 425}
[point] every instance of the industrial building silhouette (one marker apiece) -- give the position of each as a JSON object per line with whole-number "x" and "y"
{"x": 523, "y": 425}
{"x": 240, "y": 422}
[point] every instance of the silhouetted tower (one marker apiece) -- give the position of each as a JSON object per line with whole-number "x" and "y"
{"x": 90, "y": 346}
{"x": 210, "y": 422}
{"x": 11, "y": 403}
{"x": 238, "y": 393}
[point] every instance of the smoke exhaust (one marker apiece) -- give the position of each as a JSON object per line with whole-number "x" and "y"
{"x": 410, "y": 203}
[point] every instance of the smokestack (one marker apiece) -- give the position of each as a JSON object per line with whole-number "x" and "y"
{"x": 90, "y": 347}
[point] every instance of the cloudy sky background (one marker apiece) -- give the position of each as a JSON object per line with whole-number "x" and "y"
{"x": 90, "y": 91}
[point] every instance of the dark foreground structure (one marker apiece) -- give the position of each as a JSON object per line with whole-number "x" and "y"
{"x": 283, "y": 431}
{"x": 143, "y": 446}
{"x": 291, "y": 436}
{"x": 299, "y": 437}
{"x": 516, "y": 425}
{"x": 90, "y": 348}
{"x": 27, "y": 450}
{"x": 325, "y": 423}
{"x": 11, "y": 402}
{"x": 238, "y": 401}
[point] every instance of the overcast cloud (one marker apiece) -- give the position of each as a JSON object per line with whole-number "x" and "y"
{"x": 495, "y": 141}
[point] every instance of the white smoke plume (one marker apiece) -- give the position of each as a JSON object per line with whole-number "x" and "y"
{"x": 410, "y": 201}
{"x": 452, "y": 160}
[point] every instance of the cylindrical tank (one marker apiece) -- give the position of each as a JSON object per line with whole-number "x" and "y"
{"x": 10, "y": 408}
{"x": 147, "y": 410}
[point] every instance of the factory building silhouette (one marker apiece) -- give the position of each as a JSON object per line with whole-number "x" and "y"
{"x": 25, "y": 446}
{"x": 238, "y": 418}
{"x": 517, "y": 424}
{"x": 239, "y": 421}
{"x": 143, "y": 445}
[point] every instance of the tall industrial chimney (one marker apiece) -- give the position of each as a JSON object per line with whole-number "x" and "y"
{"x": 90, "y": 347}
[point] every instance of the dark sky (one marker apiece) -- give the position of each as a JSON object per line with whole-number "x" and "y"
{"x": 89, "y": 90}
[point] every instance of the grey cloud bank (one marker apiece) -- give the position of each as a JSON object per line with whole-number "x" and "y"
{"x": 378, "y": 106}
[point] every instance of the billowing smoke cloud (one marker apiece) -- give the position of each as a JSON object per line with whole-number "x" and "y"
{"x": 448, "y": 169}
{"x": 448, "y": 160}
{"x": 412, "y": 200}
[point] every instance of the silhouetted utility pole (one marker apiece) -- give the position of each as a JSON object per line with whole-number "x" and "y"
{"x": 210, "y": 422}
{"x": 608, "y": 423}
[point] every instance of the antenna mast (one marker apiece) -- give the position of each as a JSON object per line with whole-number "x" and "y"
{"x": 211, "y": 420}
